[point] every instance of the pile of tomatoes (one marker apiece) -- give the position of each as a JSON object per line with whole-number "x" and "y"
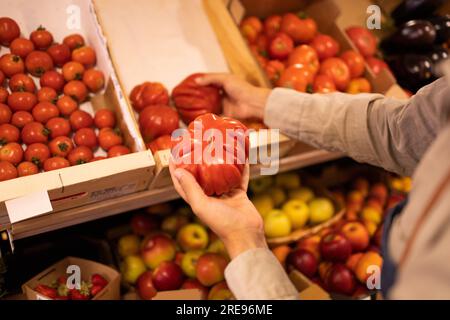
{"x": 295, "y": 55}
{"x": 42, "y": 85}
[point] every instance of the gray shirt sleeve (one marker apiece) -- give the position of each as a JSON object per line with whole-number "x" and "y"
{"x": 386, "y": 132}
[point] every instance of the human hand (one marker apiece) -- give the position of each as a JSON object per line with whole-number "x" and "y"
{"x": 242, "y": 100}
{"x": 233, "y": 217}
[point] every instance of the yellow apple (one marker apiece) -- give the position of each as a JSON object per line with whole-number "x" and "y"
{"x": 263, "y": 203}
{"x": 261, "y": 184}
{"x": 217, "y": 246}
{"x": 128, "y": 245}
{"x": 131, "y": 268}
{"x": 277, "y": 224}
{"x": 305, "y": 194}
{"x": 321, "y": 210}
{"x": 371, "y": 214}
{"x": 193, "y": 236}
{"x": 298, "y": 213}
{"x": 288, "y": 180}
{"x": 278, "y": 196}
{"x": 189, "y": 262}
{"x": 397, "y": 184}
{"x": 407, "y": 184}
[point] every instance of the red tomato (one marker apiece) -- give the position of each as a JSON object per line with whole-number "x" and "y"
{"x": 325, "y": 46}
{"x": 355, "y": 63}
{"x": 22, "y": 82}
{"x": 80, "y": 119}
{"x": 9, "y": 30}
{"x": 27, "y": 168}
{"x": 73, "y": 71}
{"x": 262, "y": 44}
{"x": 38, "y": 62}
{"x": 94, "y": 80}
{"x": 272, "y": 25}
{"x": 7, "y": 171}
{"x": 8, "y": 133}
{"x": 156, "y": 121}
{"x": 80, "y": 155}
{"x": 363, "y": 39}
{"x": 161, "y": 143}
{"x": 105, "y": 118}
{"x": 47, "y": 94}
{"x": 323, "y": 84}
{"x": 274, "y": 69}
{"x": 44, "y": 111}
{"x": 108, "y": 138}
{"x": 337, "y": 70}
{"x": 297, "y": 78}
{"x": 58, "y": 127}
{"x": 281, "y": 46}
{"x": 61, "y": 146}
{"x": 84, "y": 55}
{"x": 215, "y": 176}
{"x": 5, "y": 113}
{"x": 98, "y": 158}
{"x": 76, "y": 90}
{"x": 359, "y": 85}
{"x": 60, "y": 54}
{"x": 2, "y": 78}
{"x": 86, "y": 137}
{"x": 118, "y": 151}
{"x": 34, "y": 132}
{"x": 41, "y": 38}
{"x": 300, "y": 29}
{"x": 21, "y": 118}
{"x": 56, "y": 163}
{"x": 250, "y": 28}
{"x": 66, "y": 105}
{"x": 148, "y": 93}
{"x": 376, "y": 65}
{"x": 37, "y": 153}
{"x": 22, "y": 101}
{"x": 261, "y": 60}
{"x": 4, "y": 94}
{"x": 304, "y": 56}
{"x": 11, "y": 64}
{"x": 192, "y": 100}
{"x": 21, "y": 47}
{"x": 11, "y": 152}
{"x": 74, "y": 41}
{"x": 52, "y": 79}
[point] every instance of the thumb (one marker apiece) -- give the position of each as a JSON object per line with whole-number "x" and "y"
{"x": 192, "y": 190}
{"x": 217, "y": 79}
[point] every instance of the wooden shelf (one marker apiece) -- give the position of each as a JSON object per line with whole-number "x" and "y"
{"x": 300, "y": 157}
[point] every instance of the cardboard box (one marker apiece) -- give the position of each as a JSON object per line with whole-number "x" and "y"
{"x": 80, "y": 185}
{"x": 307, "y": 289}
{"x": 188, "y": 294}
{"x": 87, "y": 268}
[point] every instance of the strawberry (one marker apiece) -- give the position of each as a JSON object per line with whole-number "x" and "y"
{"x": 95, "y": 290}
{"x": 98, "y": 280}
{"x": 46, "y": 291}
{"x": 62, "y": 280}
{"x": 62, "y": 298}
{"x": 78, "y": 295}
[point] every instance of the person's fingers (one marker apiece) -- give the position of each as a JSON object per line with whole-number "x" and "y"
{"x": 245, "y": 177}
{"x": 175, "y": 181}
{"x": 195, "y": 195}
{"x": 217, "y": 79}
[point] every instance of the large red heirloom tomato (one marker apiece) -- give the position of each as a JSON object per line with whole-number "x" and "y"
{"x": 216, "y": 172}
{"x": 158, "y": 120}
{"x": 193, "y": 100}
{"x": 148, "y": 93}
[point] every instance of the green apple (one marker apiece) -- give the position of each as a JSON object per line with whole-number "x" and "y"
{"x": 277, "y": 224}
{"x": 260, "y": 184}
{"x": 263, "y": 203}
{"x": 192, "y": 236}
{"x": 288, "y": 180}
{"x": 298, "y": 213}
{"x": 189, "y": 262}
{"x": 131, "y": 268}
{"x": 278, "y": 196}
{"x": 321, "y": 210}
{"x": 305, "y": 194}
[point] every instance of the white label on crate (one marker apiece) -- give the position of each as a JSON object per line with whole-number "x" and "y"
{"x": 39, "y": 297}
{"x": 113, "y": 192}
{"x": 28, "y": 206}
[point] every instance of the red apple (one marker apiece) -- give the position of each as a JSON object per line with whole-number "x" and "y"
{"x": 168, "y": 276}
{"x": 361, "y": 292}
{"x": 156, "y": 249}
{"x": 220, "y": 291}
{"x": 362, "y": 185}
{"x": 210, "y": 268}
{"x": 353, "y": 260}
{"x": 357, "y": 234}
{"x": 194, "y": 284}
{"x": 341, "y": 280}
{"x": 145, "y": 287}
{"x": 312, "y": 244}
{"x": 303, "y": 261}
{"x": 142, "y": 224}
{"x": 379, "y": 191}
{"x": 374, "y": 203}
{"x": 335, "y": 247}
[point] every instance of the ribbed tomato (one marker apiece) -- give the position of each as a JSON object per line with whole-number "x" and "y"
{"x": 156, "y": 121}
{"x": 148, "y": 93}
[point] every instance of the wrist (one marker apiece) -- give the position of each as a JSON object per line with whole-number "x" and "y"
{"x": 261, "y": 101}
{"x": 239, "y": 243}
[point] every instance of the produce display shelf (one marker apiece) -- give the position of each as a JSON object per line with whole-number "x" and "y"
{"x": 301, "y": 156}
